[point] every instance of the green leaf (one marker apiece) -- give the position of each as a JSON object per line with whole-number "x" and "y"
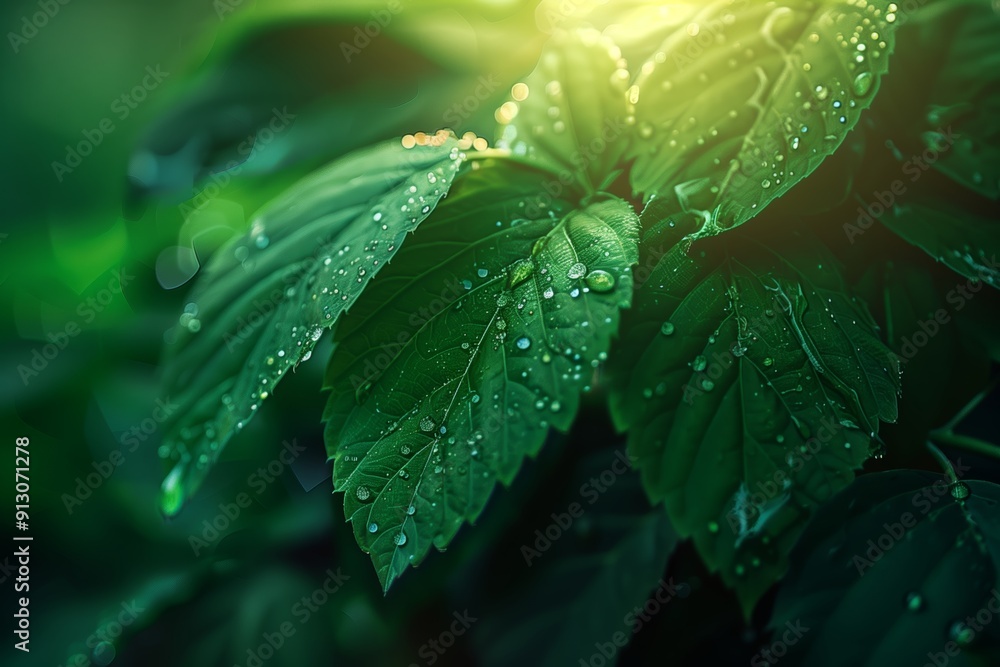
{"x": 951, "y": 72}
{"x": 741, "y": 105}
{"x": 480, "y": 337}
{"x": 590, "y": 581}
{"x": 942, "y": 339}
{"x": 569, "y": 115}
{"x": 264, "y": 301}
{"x": 965, "y": 242}
{"x": 897, "y": 562}
{"x": 751, "y": 384}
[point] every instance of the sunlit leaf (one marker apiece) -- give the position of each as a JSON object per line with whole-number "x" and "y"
{"x": 266, "y": 299}
{"x": 748, "y": 99}
{"x": 481, "y": 336}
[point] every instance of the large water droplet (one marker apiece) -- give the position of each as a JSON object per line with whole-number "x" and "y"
{"x": 363, "y": 493}
{"x": 577, "y": 271}
{"x": 399, "y": 539}
{"x": 520, "y": 271}
{"x": 863, "y": 83}
{"x": 523, "y": 343}
{"x": 172, "y": 491}
{"x": 667, "y": 329}
{"x": 426, "y": 424}
{"x": 373, "y": 527}
{"x": 699, "y": 363}
{"x": 961, "y": 633}
{"x": 600, "y": 281}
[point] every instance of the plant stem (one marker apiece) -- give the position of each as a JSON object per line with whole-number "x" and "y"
{"x": 965, "y": 442}
{"x": 970, "y": 406}
{"x": 949, "y": 470}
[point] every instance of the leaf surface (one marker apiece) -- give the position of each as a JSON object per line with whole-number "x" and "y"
{"x": 480, "y": 338}
{"x": 736, "y": 108}
{"x": 751, "y": 384}
{"x": 265, "y": 300}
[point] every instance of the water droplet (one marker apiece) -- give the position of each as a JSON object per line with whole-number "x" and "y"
{"x": 961, "y": 633}
{"x": 411, "y": 510}
{"x": 482, "y": 273}
{"x": 577, "y": 271}
{"x": 959, "y": 490}
{"x": 399, "y": 539}
{"x": 426, "y": 424}
{"x": 373, "y": 527}
{"x": 768, "y": 362}
{"x": 600, "y": 281}
{"x": 172, "y": 491}
{"x": 519, "y": 271}
{"x": 914, "y": 601}
{"x": 713, "y": 527}
{"x": 667, "y": 329}
{"x": 523, "y": 343}
{"x": 699, "y": 363}
{"x": 363, "y": 493}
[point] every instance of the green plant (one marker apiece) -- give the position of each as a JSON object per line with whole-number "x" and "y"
{"x": 670, "y": 220}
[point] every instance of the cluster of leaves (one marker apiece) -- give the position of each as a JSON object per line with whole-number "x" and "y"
{"x": 603, "y": 246}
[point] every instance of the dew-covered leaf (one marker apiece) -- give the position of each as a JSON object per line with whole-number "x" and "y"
{"x": 965, "y": 242}
{"x": 899, "y": 562}
{"x": 945, "y": 341}
{"x": 745, "y": 101}
{"x": 263, "y": 301}
{"x": 948, "y": 77}
{"x": 569, "y": 115}
{"x": 480, "y": 337}
{"x": 751, "y": 384}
